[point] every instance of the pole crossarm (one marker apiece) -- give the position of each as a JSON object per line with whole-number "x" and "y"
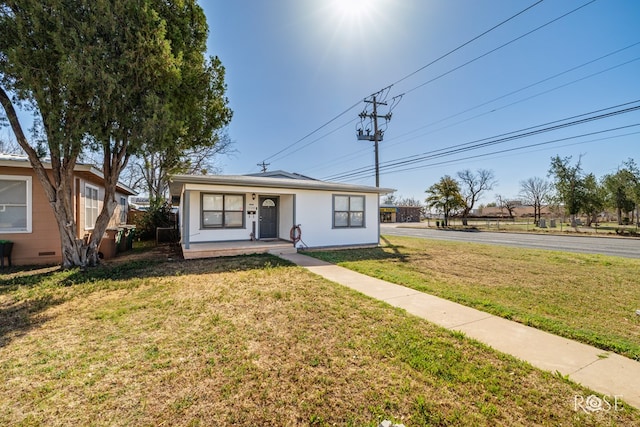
{"x": 378, "y": 134}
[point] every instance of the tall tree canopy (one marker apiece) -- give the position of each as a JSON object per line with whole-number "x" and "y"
{"x": 445, "y": 196}
{"x": 593, "y": 198}
{"x": 569, "y": 184}
{"x": 118, "y": 77}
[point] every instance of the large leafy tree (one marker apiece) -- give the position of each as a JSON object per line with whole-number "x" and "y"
{"x": 634, "y": 185}
{"x": 620, "y": 195}
{"x": 445, "y": 197}
{"x": 623, "y": 189}
{"x": 594, "y": 198}
{"x": 150, "y": 173}
{"x": 569, "y": 184}
{"x": 113, "y": 76}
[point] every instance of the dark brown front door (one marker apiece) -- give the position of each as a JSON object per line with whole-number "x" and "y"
{"x": 268, "y": 218}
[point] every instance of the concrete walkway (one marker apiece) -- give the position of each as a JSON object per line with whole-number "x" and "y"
{"x": 605, "y": 372}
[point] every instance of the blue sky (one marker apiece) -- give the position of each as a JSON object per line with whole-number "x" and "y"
{"x": 298, "y": 72}
{"x": 293, "y": 66}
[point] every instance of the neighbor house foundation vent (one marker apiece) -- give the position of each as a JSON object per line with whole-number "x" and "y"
{"x": 46, "y": 253}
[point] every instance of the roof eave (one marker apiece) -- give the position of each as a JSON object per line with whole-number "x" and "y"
{"x": 178, "y": 181}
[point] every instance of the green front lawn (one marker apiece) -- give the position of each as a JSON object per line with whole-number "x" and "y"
{"x": 590, "y": 298}
{"x": 251, "y": 341}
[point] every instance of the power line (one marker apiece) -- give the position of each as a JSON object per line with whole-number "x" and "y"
{"x": 499, "y": 47}
{"x": 506, "y": 150}
{"x": 529, "y": 86}
{"x": 438, "y": 77}
{"x": 314, "y": 131}
{"x": 514, "y": 102}
{"x": 348, "y": 157}
{"x": 406, "y": 77}
{"x": 468, "y": 42}
{"x": 498, "y": 139}
{"x": 315, "y": 140}
{"x": 443, "y": 153}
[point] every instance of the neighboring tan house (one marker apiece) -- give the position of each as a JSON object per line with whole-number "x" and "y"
{"x": 231, "y": 214}
{"x": 27, "y": 219}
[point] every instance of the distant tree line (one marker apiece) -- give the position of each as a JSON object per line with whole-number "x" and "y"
{"x": 570, "y": 190}
{"x": 583, "y": 193}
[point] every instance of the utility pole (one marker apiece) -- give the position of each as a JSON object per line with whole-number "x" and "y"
{"x": 377, "y": 133}
{"x": 263, "y": 165}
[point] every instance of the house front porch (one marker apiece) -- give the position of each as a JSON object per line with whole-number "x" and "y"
{"x": 233, "y": 248}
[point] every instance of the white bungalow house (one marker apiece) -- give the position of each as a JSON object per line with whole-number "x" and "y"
{"x": 272, "y": 212}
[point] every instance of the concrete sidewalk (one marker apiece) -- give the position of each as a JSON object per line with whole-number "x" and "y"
{"x": 605, "y": 372}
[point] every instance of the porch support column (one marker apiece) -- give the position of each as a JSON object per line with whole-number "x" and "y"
{"x": 186, "y": 203}
{"x": 294, "y": 215}
{"x": 378, "y": 215}
{"x": 294, "y": 211}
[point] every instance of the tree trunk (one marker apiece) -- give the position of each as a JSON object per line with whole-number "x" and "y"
{"x": 75, "y": 251}
{"x": 619, "y": 213}
{"x": 59, "y": 192}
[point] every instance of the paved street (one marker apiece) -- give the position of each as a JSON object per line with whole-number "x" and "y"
{"x": 624, "y": 247}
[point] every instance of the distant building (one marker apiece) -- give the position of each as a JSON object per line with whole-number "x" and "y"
{"x": 519, "y": 211}
{"x": 393, "y": 213}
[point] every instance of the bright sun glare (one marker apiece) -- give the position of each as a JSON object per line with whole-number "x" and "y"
{"x": 353, "y": 28}
{"x": 351, "y": 8}
{"x": 351, "y": 17}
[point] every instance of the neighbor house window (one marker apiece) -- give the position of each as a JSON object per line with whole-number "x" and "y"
{"x": 348, "y": 211}
{"x": 222, "y": 211}
{"x": 123, "y": 210}
{"x": 15, "y": 204}
{"x": 90, "y": 206}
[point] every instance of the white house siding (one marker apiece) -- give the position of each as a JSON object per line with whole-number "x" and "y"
{"x": 312, "y": 209}
{"x": 286, "y": 217}
{"x": 314, "y": 213}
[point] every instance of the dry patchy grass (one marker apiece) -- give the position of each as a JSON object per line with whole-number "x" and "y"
{"x": 591, "y": 298}
{"x": 250, "y": 341}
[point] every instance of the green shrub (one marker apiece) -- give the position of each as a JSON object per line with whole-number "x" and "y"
{"x": 158, "y": 215}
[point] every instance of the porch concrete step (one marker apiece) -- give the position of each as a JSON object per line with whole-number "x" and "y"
{"x": 214, "y": 250}
{"x": 284, "y": 250}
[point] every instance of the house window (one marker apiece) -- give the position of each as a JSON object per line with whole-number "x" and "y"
{"x": 222, "y": 211}
{"x": 348, "y": 211}
{"x": 90, "y": 206}
{"x": 123, "y": 210}
{"x": 15, "y": 204}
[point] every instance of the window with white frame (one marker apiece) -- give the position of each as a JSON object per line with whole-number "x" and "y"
{"x": 222, "y": 210}
{"x": 15, "y": 204}
{"x": 348, "y": 211}
{"x": 123, "y": 210}
{"x": 91, "y": 210}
